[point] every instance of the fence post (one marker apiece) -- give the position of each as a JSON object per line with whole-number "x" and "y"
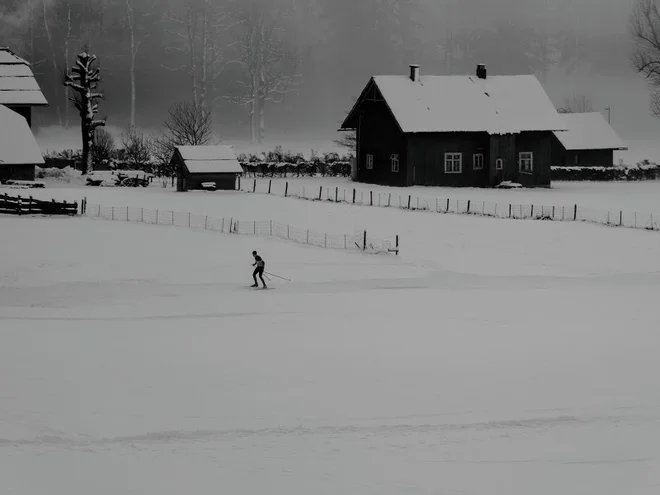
{"x": 287, "y": 232}
{"x": 20, "y": 206}
{"x": 172, "y": 215}
{"x": 286, "y": 189}
{"x": 30, "y": 205}
{"x": 254, "y": 227}
{"x": 271, "y": 227}
{"x": 364, "y": 245}
{"x": 127, "y": 213}
{"x": 113, "y": 212}
{"x": 231, "y": 225}
{"x": 652, "y": 227}
{"x": 468, "y": 206}
{"x": 239, "y": 182}
{"x": 371, "y": 198}
{"x": 307, "y": 236}
{"x": 418, "y": 202}
{"x": 409, "y": 198}
{"x": 397, "y": 244}
{"x": 531, "y": 211}
{"x": 447, "y": 210}
{"x": 188, "y": 219}
{"x": 320, "y": 192}
{"x": 509, "y": 210}
{"x": 142, "y": 215}
{"x": 608, "y": 218}
{"x": 206, "y": 222}
{"x": 389, "y": 200}
{"x": 337, "y": 194}
{"x": 553, "y": 213}
{"x": 620, "y": 218}
{"x": 156, "y": 215}
{"x": 344, "y": 241}
{"x": 270, "y": 183}
{"x": 325, "y": 241}
{"x": 353, "y": 195}
{"x": 254, "y": 187}
{"x": 575, "y": 208}
{"x": 483, "y": 208}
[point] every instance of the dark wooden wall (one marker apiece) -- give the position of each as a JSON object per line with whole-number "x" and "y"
{"x": 426, "y": 159}
{"x": 503, "y": 146}
{"x": 580, "y": 158}
{"x": 224, "y": 182}
{"x": 539, "y": 143}
{"x": 25, "y": 111}
{"x": 16, "y": 172}
{"x": 379, "y": 135}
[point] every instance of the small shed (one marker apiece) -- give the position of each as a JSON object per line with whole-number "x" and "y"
{"x": 19, "y": 151}
{"x": 589, "y": 141}
{"x": 206, "y": 167}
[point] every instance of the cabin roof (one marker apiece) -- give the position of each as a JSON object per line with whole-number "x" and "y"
{"x": 18, "y": 85}
{"x": 588, "y": 131}
{"x": 210, "y": 159}
{"x": 17, "y": 143}
{"x": 497, "y": 104}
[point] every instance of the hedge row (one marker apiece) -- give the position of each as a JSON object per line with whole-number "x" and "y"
{"x": 298, "y": 169}
{"x": 642, "y": 172}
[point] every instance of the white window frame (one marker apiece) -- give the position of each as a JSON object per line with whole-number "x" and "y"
{"x": 499, "y": 164}
{"x": 478, "y": 161}
{"x": 370, "y": 161}
{"x": 451, "y": 159}
{"x": 394, "y": 159}
{"x": 526, "y": 162}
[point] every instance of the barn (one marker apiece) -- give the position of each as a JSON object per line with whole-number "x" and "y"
{"x": 453, "y": 130}
{"x": 589, "y": 141}
{"x": 19, "y": 90}
{"x": 19, "y": 151}
{"x": 205, "y": 167}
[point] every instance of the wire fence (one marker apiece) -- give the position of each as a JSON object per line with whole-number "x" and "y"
{"x": 361, "y": 241}
{"x": 362, "y": 197}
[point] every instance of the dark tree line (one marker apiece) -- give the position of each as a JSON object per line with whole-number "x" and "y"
{"x": 261, "y": 63}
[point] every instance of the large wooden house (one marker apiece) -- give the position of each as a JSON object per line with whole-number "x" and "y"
{"x": 589, "y": 141}
{"x": 454, "y": 130}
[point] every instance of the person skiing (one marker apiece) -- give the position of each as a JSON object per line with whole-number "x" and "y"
{"x": 259, "y": 270}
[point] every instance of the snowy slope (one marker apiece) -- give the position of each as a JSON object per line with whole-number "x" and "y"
{"x": 133, "y": 360}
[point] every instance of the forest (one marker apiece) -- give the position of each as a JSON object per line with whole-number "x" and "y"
{"x": 257, "y": 64}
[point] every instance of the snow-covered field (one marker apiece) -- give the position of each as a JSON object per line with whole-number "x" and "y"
{"x": 490, "y": 357}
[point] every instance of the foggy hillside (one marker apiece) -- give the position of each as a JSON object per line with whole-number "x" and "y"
{"x": 317, "y": 55}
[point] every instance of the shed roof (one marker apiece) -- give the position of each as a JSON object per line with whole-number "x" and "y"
{"x": 210, "y": 159}
{"x": 588, "y": 131}
{"x": 17, "y": 143}
{"x": 497, "y": 104}
{"x": 18, "y": 85}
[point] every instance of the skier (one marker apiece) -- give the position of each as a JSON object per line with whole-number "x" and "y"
{"x": 259, "y": 270}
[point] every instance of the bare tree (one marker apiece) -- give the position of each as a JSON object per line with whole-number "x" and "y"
{"x": 103, "y": 146}
{"x": 83, "y": 81}
{"x": 576, "y": 104}
{"x": 186, "y": 27}
{"x": 189, "y": 124}
{"x": 270, "y": 67}
{"x": 645, "y": 27}
{"x": 134, "y": 24}
{"x": 137, "y": 147}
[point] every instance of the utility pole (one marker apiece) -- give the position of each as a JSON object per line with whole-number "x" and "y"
{"x": 609, "y": 114}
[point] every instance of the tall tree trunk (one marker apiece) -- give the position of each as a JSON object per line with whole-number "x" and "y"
{"x": 262, "y": 120}
{"x": 130, "y": 21}
{"x": 66, "y": 67}
{"x": 86, "y": 149}
{"x": 191, "y": 25}
{"x": 205, "y": 55}
{"x": 253, "y": 112}
{"x": 54, "y": 56}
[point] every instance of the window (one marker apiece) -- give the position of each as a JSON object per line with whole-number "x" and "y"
{"x": 453, "y": 163}
{"x": 478, "y": 161}
{"x": 370, "y": 162}
{"x": 499, "y": 164}
{"x": 526, "y": 162}
{"x": 395, "y": 162}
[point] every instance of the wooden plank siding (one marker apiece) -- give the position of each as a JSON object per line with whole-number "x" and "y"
{"x": 540, "y": 144}
{"x": 16, "y": 172}
{"x": 379, "y": 135}
{"x": 580, "y": 158}
{"x": 426, "y": 159}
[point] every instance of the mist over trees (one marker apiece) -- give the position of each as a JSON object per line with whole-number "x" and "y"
{"x": 256, "y": 65}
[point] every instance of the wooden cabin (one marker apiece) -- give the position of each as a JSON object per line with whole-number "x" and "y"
{"x": 589, "y": 141}
{"x": 454, "y": 130}
{"x": 206, "y": 167}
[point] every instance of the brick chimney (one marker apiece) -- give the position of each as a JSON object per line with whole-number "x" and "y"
{"x": 414, "y": 72}
{"x": 482, "y": 73}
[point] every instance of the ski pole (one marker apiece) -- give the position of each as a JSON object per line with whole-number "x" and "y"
{"x": 277, "y": 276}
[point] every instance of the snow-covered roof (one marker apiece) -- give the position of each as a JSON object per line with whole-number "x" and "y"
{"x": 589, "y": 131}
{"x": 497, "y": 104}
{"x": 17, "y": 143}
{"x": 210, "y": 159}
{"x": 17, "y": 83}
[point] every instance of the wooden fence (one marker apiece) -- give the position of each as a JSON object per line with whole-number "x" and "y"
{"x": 17, "y": 205}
